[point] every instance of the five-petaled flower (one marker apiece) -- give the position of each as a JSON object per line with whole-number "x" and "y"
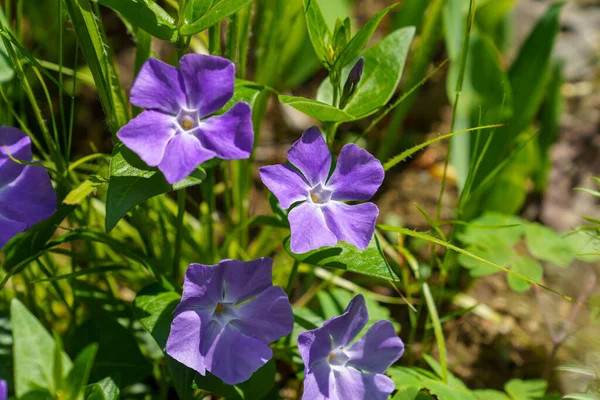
{"x": 173, "y": 133}
{"x": 321, "y": 218}
{"x": 228, "y": 315}
{"x": 26, "y": 193}
{"x": 336, "y": 368}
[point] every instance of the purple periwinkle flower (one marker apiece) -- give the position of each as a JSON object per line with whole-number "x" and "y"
{"x": 228, "y": 315}
{"x": 3, "y": 390}
{"x": 26, "y": 193}
{"x": 336, "y": 368}
{"x": 174, "y": 134}
{"x": 321, "y": 218}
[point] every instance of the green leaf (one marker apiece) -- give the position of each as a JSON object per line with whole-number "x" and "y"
{"x": 84, "y": 189}
{"x": 384, "y": 64}
{"x": 490, "y": 249}
{"x": 518, "y": 389}
{"x": 548, "y": 245}
{"x": 529, "y": 72}
{"x": 133, "y": 182}
{"x": 216, "y": 13}
{"x": 244, "y": 91}
{"x": 73, "y": 386}
{"x": 508, "y": 228}
{"x": 106, "y": 389}
{"x": 346, "y": 256}
{"x": 147, "y": 15}
{"x": 119, "y": 355}
{"x": 6, "y": 350}
{"x": 360, "y": 40}
{"x": 195, "y": 9}
{"x": 98, "y": 59}
{"x": 316, "y": 109}
{"x": 318, "y": 31}
{"x": 33, "y": 351}
{"x": 527, "y": 267}
{"x": 489, "y": 394}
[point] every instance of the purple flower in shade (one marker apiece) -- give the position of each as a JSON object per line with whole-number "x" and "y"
{"x": 173, "y": 133}
{"x": 337, "y": 369}
{"x": 3, "y": 390}
{"x": 321, "y": 218}
{"x": 26, "y": 193}
{"x": 228, "y": 315}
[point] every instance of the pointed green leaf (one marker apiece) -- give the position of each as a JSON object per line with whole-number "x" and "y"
{"x": 145, "y": 14}
{"x": 33, "y": 351}
{"x": 360, "y": 40}
{"x": 519, "y": 389}
{"x": 216, "y": 13}
{"x": 73, "y": 386}
{"x": 318, "y": 31}
{"x": 346, "y": 256}
{"x": 316, "y": 109}
{"x": 133, "y": 182}
{"x": 106, "y": 389}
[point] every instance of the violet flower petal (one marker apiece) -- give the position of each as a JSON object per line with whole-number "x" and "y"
{"x": 354, "y": 224}
{"x": 344, "y": 328}
{"x": 3, "y": 390}
{"x": 285, "y": 183}
{"x": 377, "y": 350}
{"x": 314, "y": 346}
{"x": 158, "y": 86}
{"x": 234, "y": 357}
{"x": 202, "y": 286}
{"x": 352, "y": 384}
{"x": 208, "y": 81}
{"x": 245, "y": 279}
{"x": 267, "y": 317}
{"x": 148, "y": 134}
{"x": 308, "y": 228}
{"x": 318, "y": 383}
{"x": 184, "y": 339}
{"x": 18, "y": 145}
{"x": 311, "y": 156}
{"x": 183, "y": 155}
{"x": 9, "y": 228}
{"x": 357, "y": 175}
{"x": 230, "y": 136}
{"x": 30, "y": 198}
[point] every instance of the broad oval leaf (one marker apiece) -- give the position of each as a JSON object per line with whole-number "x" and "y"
{"x": 316, "y": 109}
{"x": 33, "y": 351}
{"x": 106, "y": 389}
{"x": 346, "y": 256}
{"x": 216, "y": 13}
{"x": 147, "y": 15}
{"x": 133, "y": 182}
{"x": 384, "y": 64}
{"x": 548, "y": 245}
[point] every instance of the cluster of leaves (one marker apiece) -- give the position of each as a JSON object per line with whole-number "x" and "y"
{"x": 499, "y": 238}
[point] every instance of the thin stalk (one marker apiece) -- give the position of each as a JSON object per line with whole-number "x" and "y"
{"x": 60, "y": 75}
{"x": 437, "y": 329}
{"x": 214, "y": 39}
{"x": 459, "y": 84}
{"x": 245, "y": 25}
{"x": 210, "y": 200}
{"x": 181, "y": 195}
{"x": 232, "y": 38}
{"x": 292, "y": 278}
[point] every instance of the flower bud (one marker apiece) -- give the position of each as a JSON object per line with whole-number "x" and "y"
{"x": 352, "y": 81}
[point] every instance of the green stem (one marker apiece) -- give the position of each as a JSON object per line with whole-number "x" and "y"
{"x": 214, "y": 39}
{"x": 292, "y": 278}
{"x": 232, "y": 38}
{"x": 181, "y": 194}
{"x": 210, "y": 200}
{"x": 437, "y": 329}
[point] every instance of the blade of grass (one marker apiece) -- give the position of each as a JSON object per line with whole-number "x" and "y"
{"x": 407, "y": 153}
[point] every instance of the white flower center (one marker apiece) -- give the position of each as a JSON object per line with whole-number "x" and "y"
{"x": 188, "y": 119}
{"x": 224, "y": 312}
{"x": 320, "y": 194}
{"x": 338, "y": 357}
